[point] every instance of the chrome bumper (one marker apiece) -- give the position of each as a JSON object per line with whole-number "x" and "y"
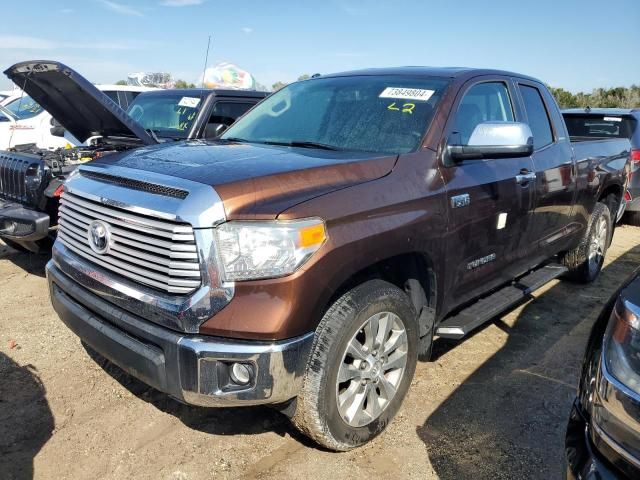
{"x": 191, "y": 368}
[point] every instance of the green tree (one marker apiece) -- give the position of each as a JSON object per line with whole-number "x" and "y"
{"x": 304, "y": 77}
{"x": 278, "y": 85}
{"x": 617, "y": 97}
{"x": 121, "y": 82}
{"x": 184, "y": 84}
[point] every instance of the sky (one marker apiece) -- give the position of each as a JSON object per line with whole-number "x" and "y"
{"x": 576, "y": 45}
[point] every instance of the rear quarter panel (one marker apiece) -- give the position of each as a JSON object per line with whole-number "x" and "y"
{"x": 600, "y": 164}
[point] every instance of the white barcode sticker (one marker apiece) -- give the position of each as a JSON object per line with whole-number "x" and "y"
{"x": 190, "y": 102}
{"x": 612, "y": 119}
{"x": 407, "y": 93}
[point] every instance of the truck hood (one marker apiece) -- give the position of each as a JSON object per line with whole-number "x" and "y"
{"x": 75, "y": 102}
{"x": 256, "y": 181}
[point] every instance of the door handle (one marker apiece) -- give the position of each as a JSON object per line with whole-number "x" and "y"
{"x": 525, "y": 176}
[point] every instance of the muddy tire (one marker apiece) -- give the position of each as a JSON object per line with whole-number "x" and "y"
{"x": 585, "y": 261}
{"x": 361, "y": 364}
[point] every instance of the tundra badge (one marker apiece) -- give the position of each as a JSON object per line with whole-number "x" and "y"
{"x": 481, "y": 261}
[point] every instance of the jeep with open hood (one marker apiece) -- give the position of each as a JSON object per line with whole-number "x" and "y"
{"x": 310, "y": 255}
{"x": 31, "y": 178}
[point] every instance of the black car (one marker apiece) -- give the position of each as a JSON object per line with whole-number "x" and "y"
{"x": 31, "y": 178}
{"x": 603, "y": 436}
{"x": 590, "y": 123}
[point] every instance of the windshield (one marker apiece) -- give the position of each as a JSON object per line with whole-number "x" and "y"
{"x": 166, "y": 115}
{"x": 24, "y": 108}
{"x": 383, "y": 114}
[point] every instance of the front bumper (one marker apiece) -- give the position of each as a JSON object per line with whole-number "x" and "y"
{"x": 581, "y": 460}
{"x": 192, "y": 368}
{"x": 22, "y": 224}
{"x": 590, "y": 454}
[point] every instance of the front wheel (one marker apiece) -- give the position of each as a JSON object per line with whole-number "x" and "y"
{"x": 585, "y": 261}
{"x": 361, "y": 365}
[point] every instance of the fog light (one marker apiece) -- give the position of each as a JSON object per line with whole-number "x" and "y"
{"x": 240, "y": 373}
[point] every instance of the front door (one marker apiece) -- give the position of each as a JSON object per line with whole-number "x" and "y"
{"x": 489, "y": 204}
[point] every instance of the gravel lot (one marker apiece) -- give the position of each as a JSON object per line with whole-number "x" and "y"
{"x": 493, "y": 406}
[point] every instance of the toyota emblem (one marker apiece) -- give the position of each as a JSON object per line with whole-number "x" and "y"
{"x": 99, "y": 237}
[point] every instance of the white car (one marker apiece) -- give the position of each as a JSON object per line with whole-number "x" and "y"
{"x": 24, "y": 121}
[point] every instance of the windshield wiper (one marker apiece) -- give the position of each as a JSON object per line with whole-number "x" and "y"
{"x": 158, "y": 135}
{"x": 303, "y": 144}
{"x": 234, "y": 139}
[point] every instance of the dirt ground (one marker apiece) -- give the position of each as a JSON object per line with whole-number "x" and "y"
{"x": 493, "y": 406}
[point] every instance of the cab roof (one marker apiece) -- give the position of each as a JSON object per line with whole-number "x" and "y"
{"x": 197, "y": 92}
{"x": 463, "y": 73}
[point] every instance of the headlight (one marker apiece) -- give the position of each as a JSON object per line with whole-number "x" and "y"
{"x": 265, "y": 249}
{"x": 622, "y": 345}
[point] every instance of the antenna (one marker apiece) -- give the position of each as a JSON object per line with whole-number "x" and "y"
{"x": 206, "y": 59}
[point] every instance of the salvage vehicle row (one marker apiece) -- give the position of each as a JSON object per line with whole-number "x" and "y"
{"x": 31, "y": 177}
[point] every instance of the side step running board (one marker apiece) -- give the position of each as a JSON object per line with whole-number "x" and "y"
{"x": 459, "y": 325}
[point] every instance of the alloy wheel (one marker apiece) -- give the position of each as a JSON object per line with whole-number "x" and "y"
{"x": 371, "y": 369}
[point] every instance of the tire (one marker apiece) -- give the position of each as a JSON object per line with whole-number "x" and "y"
{"x": 341, "y": 333}
{"x": 632, "y": 218}
{"x": 585, "y": 261}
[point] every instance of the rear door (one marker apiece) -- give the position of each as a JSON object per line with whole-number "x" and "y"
{"x": 489, "y": 211}
{"x": 555, "y": 173}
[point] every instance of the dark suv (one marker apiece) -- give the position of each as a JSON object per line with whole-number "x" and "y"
{"x": 590, "y": 123}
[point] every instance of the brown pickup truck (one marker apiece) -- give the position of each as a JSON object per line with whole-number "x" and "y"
{"x": 309, "y": 256}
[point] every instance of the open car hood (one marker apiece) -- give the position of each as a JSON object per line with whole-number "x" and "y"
{"x": 75, "y": 102}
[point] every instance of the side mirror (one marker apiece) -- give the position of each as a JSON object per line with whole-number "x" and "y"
{"x": 495, "y": 140}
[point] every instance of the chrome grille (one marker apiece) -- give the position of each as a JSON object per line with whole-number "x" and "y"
{"x": 152, "y": 251}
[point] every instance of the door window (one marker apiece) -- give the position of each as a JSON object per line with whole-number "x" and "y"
{"x": 113, "y": 95}
{"x": 223, "y": 115}
{"x": 485, "y": 102}
{"x": 537, "y": 115}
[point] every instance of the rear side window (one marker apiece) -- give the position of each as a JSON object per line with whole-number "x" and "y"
{"x": 600, "y": 125}
{"x": 223, "y": 115}
{"x": 537, "y": 115}
{"x": 485, "y": 102}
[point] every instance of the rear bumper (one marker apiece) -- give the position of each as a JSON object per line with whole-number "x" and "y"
{"x": 192, "y": 368}
{"x": 22, "y": 224}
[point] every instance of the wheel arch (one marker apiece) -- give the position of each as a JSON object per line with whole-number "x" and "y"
{"x": 413, "y": 272}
